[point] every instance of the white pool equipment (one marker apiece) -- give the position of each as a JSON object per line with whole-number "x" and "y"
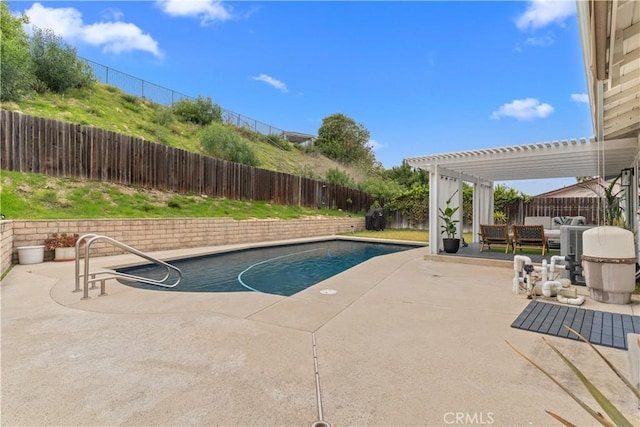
{"x": 609, "y": 264}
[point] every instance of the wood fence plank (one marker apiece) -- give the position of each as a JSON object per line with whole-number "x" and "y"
{"x": 30, "y": 144}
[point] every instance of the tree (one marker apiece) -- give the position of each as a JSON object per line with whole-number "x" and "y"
{"x": 382, "y": 189}
{"x": 339, "y": 177}
{"x": 16, "y": 73}
{"x": 503, "y": 196}
{"x": 342, "y": 139}
{"x": 56, "y": 64}
{"x": 406, "y": 176}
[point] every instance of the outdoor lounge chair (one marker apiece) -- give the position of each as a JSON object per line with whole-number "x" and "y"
{"x": 529, "y": 235}
{"x": 495, "y": 234}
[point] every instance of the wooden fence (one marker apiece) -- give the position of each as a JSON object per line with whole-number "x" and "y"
{"x": 39, "y": 145}
{"x": 588, "y": 207}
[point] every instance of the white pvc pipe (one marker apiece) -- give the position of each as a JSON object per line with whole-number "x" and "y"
{"x": 579, "y": 300}
{"x": 550, "y": 286}
{"x": 547, "y": 271}
{"x": 519, "y": 262}
{"x": 552, "y": 268}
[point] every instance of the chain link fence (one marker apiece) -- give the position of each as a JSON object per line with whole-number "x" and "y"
{"x": 167, "y": 97}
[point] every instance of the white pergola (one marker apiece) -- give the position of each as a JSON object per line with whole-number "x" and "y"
{"x": 610, "y": 34}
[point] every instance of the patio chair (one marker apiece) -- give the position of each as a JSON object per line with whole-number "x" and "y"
{"x": 529, "y": 235}
{"x": 495, "y": 234}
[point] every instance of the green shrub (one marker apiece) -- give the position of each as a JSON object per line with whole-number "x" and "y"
{"x": 127, "y": 98}
{"x": 56, "y": 64}
{"x": 200, "y": 111}
{"x": 279, "y": 142}
{"x": 337, "y": 176}
{"x": 16, "y": 77}
{"x": 381, "y": 188}
{"x": 224, "y": 143}
{"x": 310, "y": 149}
{"x": 162, "y": 116}
{"x": 499, "y": 217}
{"x": 249, "y": 134}
{"x": 174, "y": 203}
{"x": 307, "y": 171}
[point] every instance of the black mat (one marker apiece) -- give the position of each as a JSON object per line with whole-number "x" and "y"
{"x": 599, "y": 327}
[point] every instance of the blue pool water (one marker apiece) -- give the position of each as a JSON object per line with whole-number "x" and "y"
{"x": 281, "y": 270}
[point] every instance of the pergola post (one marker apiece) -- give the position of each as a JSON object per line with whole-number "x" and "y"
{"x": 442, "y": 184}
{"x": 434, "y": 218}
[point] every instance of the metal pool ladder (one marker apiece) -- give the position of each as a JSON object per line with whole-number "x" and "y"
{"x": 102, "y": 276}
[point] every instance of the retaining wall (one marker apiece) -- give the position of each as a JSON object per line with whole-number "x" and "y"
{"x": 150, "y": 235}
{"x": 6, "y": 245}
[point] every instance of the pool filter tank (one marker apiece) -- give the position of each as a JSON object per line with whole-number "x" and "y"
{"x": 609, "y": 264}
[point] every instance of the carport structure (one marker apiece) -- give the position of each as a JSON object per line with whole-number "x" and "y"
{"x": 610, "y": 35}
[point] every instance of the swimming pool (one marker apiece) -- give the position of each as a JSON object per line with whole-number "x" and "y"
{"x": 281, "y": 270}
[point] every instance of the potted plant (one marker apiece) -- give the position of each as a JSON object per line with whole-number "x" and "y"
{"x": 451, "y": 243}
{"x": 64, "y": 245}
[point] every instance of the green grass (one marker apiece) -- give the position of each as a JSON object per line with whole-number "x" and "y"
{"x": 524, "y": 251}
{"x": 411, "y": 235}
{"x": 36, "y": 196}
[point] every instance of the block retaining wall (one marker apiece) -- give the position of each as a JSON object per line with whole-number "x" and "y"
{"x": 150, "y": 235}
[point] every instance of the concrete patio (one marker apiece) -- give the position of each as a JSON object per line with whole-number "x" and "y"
{"x": 404, "y": 341}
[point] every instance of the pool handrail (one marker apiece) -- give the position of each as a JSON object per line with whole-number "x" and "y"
{"x": 91, "y": 277}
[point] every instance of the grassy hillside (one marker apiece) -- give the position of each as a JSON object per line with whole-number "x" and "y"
{"x": 36, "y": 196}
{"x": 109, "y": 108}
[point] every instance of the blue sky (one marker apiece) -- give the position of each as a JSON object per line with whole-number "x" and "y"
{"x": 424, "y": 77}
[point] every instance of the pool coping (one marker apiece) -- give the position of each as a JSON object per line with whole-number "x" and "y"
{"x": 123, "y": 299}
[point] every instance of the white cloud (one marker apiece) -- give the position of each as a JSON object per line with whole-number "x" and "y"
{"x": 523, "y": 109}
{"x": 112, "y": 13}
{"x": 65, "y": 21}
{"x": 271, "y": 81}
{"x": 543, "y": 41}
{"x": 580, "y": 97}
{"x": 206, "y": 10}
{"x": 541, "y": 13}
{"x": 116, "y": 37}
